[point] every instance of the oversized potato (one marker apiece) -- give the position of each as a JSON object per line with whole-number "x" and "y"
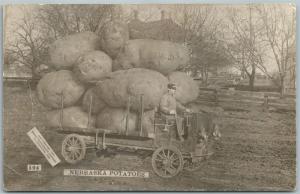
{"x": 158, "y": 55}
{"x": 115, "y": 119}
{"x": 120, "y": 86}
{"x": 55, "y": 84}
{"x": 64, "y": 52}
{"x": 187, "y": 89}
{"x": 113, "y": 37}
{"x": 72, "y": 117}
{"x": 90, "y": 98}
{"x": 92, "y": 66}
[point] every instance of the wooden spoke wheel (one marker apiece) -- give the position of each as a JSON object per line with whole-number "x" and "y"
{"x": 167, "y": 161}
{"x": 73, "y": 148}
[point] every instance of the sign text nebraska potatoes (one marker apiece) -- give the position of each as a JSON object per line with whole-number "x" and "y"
{"x": 105, "y": 173}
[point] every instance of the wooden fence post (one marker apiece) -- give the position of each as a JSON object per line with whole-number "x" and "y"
{"x": 216, "y": 97}
{"x": 266, "y": 103}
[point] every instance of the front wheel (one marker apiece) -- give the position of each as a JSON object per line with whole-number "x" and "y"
{"x": 167, "y": 161}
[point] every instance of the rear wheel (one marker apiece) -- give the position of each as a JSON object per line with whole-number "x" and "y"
{"x": 167, "y": 161}
{"x": 73, "y": 148}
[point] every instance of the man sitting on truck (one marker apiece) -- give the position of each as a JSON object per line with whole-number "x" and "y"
{"x": 168, "y": 107}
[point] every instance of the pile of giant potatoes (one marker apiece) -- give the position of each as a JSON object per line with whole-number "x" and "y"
{"x": 101, "y": 74}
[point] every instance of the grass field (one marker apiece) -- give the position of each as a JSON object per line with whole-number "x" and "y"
{"x": 257, "y": 152}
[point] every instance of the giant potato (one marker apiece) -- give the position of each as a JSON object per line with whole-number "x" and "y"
{"x": 54, "y": 85}
{"x": 90, "y": 98}
{"x": 157, "y": 55}
{"x": 115, "y": 119}
{"x": 72, "y": 117}
{"x": 187, "y": 89}
{"x": 113, "y": 37}
{"x": 120, "y": 86}
{"x": 91, "y": 66}
{"x": 65, "y": 51}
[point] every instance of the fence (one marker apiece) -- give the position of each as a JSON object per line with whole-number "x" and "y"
{"x": 246, "y": 99}
{"x": 20, "y": 81}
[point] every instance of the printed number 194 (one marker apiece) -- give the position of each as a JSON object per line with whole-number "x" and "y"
{"x": 34, "y": 167}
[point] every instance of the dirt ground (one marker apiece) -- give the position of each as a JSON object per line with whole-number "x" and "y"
{"x": 257, "y": 152}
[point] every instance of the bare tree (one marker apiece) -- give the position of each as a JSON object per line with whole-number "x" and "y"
{"x": 246, "y": 46}
{"x": 197, "y": 20}
{"x": 208, "y": 56}
{"x": 203, "y": 33}
{"x": 280, "y": 33}
{"x": 38, "y": 28}
{"x": 30, "y": 45}
{"x": 68, "y": 19}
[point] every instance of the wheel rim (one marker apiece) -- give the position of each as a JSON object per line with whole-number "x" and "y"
{"x": 73, "y": 148}
{"x": 167, "y": 162}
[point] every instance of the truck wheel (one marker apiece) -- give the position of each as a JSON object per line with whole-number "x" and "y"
{"x": 73, "y": 148}
{"x": 167, "y": 161}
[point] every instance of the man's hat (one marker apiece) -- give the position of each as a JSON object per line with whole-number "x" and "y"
{"x": 172, "y": 86}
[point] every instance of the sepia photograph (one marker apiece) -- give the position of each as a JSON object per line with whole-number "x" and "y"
{"x": 149, "y": 97}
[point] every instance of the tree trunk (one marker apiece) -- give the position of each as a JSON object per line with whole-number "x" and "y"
{"x": 252, "y": 79}
{"x": 243, "y": 73}
{"x": 33, "y": 71}
{"x": 205, "y": 74}
{"x": 282, "y": 86}
{"x": 202, "y": 75}
{"x": 206, "y": 77}
{"x": 251, "y": 83}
